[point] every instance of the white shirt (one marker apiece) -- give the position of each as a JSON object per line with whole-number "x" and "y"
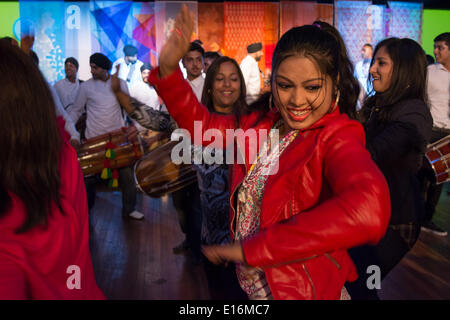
{"x": 69, "y": 125}
{"x": 362, "y": 73}
{"x": 250, "y": 71}
{"x": 103, "y": 111}
{"x": 197, "y": 86}
{"x": 144, "y": 93}
{"x": 67, "y": 91}
{"x": 438, "y": 90}
{"x": 125, "y": 69}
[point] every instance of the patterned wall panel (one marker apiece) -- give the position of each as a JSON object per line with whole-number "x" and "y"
{"x": 211, "y": 26}
{"x": 45, "y": 20}
{"x": 406, "y": 20}
{"x": 360, "y": 22}
{"x": 244, "y": 24}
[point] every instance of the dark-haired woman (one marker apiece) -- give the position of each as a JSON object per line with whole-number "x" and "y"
{"x": 301, "y": 199}
{"x": 44, "y": 249}
{"x": 223, "y": 93}
{"x": 398, "y": 126}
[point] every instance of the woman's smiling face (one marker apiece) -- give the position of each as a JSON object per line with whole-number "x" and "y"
{"x": 226, "y": 87}
{"x": 301, "y": 92}
{"x": 381, "y": 70}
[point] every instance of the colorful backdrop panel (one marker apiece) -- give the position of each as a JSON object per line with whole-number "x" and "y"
{"x": 295, "y": 14}
{"x": 406, "y": 20}
{"x": 360, "y": 22}
{"x": 249, "y": 22}
{"x": 9, "y": 14}
{"x": 434, "y": 22}
{"x": 211, "y": 26}
{"x": 78, "y": 29}
{"x": 44, "y": 19}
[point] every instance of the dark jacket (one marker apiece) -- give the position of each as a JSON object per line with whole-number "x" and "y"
{"x": 397, "y": 146}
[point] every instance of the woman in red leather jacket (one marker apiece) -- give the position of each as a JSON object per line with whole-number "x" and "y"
{"x": 300, "y": 201}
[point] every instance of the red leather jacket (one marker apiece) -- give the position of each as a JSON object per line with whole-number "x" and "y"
{"x": 328, "y": 196}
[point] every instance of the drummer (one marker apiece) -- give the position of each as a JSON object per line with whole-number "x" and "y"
{"x": 104, "y": 115}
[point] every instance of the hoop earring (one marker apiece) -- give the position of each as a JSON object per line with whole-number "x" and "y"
{"x": 335, "y": 102}
{"x": 270, "y": 103}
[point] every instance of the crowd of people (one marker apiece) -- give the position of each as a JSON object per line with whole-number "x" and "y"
{"x": 335, "y": 181}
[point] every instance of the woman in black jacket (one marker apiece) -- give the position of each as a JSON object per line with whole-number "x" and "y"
{"x": 398, "y": 126}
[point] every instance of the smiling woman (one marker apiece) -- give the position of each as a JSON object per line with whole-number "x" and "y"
{"x": 398, "y": 126}
{"x": 224, "y": 89}
{"x": 302, "y": 97}
{"x": 381, "y": 70}
{"x": 283, "y": 245}
{"x": 223, "y": 93}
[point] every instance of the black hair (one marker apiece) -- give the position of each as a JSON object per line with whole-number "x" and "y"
{"x": 212, "y": 55}
{"x": 34, "y": 57}
{"x": 408, "y": 80}
{"x": 31, "y": 139}
{"x": 240, "y": 107}
{"x": 323, "y": 44}
{"x": 73, "y": 61}
{"x": 146, "y": 66}
{"x": 195, "y": 46}
{"x": 445, "y": 37}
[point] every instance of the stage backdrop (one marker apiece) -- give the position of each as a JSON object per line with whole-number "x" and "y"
{"x": 78, "y": 29}
{"x": 360, "y": 22}
{"x": 434, "y": 23}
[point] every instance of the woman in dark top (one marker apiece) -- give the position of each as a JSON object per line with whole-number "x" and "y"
{"x": 398, "y": 126}
{"x": 223, "y": 93}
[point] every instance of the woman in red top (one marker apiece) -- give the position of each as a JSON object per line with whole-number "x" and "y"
{"x": 44, "y": 249}
{"x": 299, "y": 201}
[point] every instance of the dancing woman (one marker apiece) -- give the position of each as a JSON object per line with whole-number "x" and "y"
{"x": 316, "y": 193}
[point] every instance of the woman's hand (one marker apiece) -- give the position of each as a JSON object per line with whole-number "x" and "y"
{"x": 222, "y": 254}
{"x": 178, "y": 43}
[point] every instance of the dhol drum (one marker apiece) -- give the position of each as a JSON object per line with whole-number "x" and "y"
{"x": 156, "y": 175}
{"x": 115, "y": 150}
{"x": 438, "y": 154}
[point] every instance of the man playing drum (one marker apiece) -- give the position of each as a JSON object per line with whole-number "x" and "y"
{"x": 104, "y": 115}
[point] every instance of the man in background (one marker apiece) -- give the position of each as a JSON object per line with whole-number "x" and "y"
{"x": 362, "y": 73}
{"x": 252, "y": 73}
{"x": 438, "y": 91}
{"x": 129, "y": 66}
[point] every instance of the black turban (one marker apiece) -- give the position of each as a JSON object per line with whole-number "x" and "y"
{"x": 101, "y": 60}
{"x": 254, "y": 47}
{"x": 146, "y": 66}
{"x": 129, "y": 50}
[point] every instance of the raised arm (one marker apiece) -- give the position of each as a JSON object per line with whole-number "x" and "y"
{"x": 176, "y": 93}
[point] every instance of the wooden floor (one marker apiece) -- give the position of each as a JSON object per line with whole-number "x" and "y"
{"x": 134, "y": 259}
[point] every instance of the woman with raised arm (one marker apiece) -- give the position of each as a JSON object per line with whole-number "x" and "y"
{"x": 307, "y": 192}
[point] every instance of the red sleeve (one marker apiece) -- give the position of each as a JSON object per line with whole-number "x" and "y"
{"x": 12, "y": 281}
{"x": 184, "y": 107}
{"x": 357, "y": 213}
